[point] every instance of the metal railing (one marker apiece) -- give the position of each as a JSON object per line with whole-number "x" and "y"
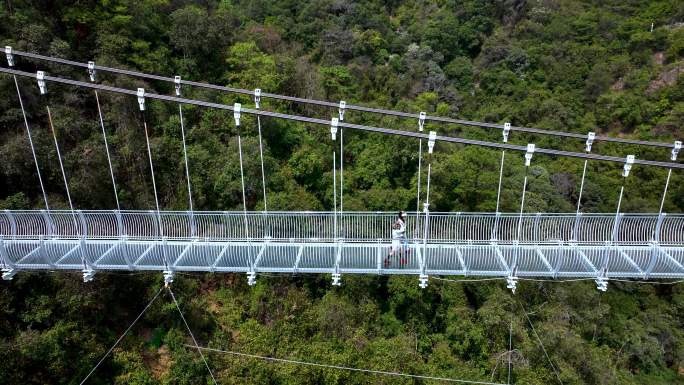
{"x": 589, "y": 229}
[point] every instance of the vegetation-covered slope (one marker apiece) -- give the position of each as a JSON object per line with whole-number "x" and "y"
{"x": 565, "y": 64}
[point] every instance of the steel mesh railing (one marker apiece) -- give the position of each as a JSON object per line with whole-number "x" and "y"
{"x": 351, "y": 226}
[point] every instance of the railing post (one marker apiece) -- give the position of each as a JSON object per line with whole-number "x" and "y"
{"x": 49, "y": 226}
{"x": 119, "y": 223}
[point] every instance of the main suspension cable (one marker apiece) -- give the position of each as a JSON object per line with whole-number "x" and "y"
{"x": 349, "y": 107}
{"x": 387, "y": 131}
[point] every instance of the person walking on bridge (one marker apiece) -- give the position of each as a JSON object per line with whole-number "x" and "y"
{"x": 399, "y": 242}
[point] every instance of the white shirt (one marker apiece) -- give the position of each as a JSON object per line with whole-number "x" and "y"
{"x": 401, "y": 231}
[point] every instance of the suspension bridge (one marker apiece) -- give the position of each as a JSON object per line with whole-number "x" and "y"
{"x": 496, "y": 244}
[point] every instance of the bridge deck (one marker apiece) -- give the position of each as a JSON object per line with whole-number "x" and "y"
{"x": 636, "y": 246}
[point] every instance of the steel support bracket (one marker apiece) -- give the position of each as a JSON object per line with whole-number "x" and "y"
{"x": 341, "y": 108}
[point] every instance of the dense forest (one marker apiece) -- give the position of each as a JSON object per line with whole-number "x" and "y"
{"x": 614, "y": 67}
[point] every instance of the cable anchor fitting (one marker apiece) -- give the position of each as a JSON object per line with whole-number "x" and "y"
{"x": 10, "y": 56}
{"x": 431, "y": 141}
{"x": 40, "y": 75}
{"x": 8, "y": 273}
{"x": 512, "y": 283}
{"x": 237, "y": 108}
{"x": 340, "y": 110}
{"x": 251, "y": 278}
{"x": 506, "y": 131}
{"x": 257, "y": 97}
{"x": 421, "y": 120}
{"x": 422, "y": 281}
{"x": 168, "y": 277}
{"x": 336, "y": 279}
{"x": 141, "y": 99}
{"x": 602, "y": 280}
{"x": 529, "y": 153}
{"x": 177, "y": 84}
{"x": 334, "y": 122}
{"x": 629, "y": 161}
{"x": 675, "y": 150}
{"x": 88, "y": 275}
{"x": 590, "y": 140}
{"x": 91, "y": 70}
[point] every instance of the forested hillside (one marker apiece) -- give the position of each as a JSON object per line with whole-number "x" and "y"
{"x": 565, "y": 65}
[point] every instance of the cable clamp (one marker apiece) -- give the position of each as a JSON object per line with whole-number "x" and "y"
{"x": 675, "y": 150}
{"x": 506, "y": 131}
{"x": 336, "y": 278}
{"x": 40, "y": 75}
{"x": 629, "y": 161}
{"x": 602, "y": 280}
{"x": 141, "y": 98}
{"x": 91, "y": 70}
{"x": 529, "y": 153}
{"x": 257, "y": 97}
{"x": 334, "y": 122}
{"x": 10, "y": 56}
{"x": 590, "y": 140}
{"x": 341, "y": 108}
{"x": 421, "y": 120}
{"x": 431, "y": 141}
{"x": 237, "y": 109}
{"x": 426, "y": 206}
{"x": 177, "y": 83}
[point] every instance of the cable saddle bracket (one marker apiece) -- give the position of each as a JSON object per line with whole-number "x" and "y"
{"x": 177, "y": 85}
{"x": 40, "y": 76}
{"x": 257, "y": 98}
{"x": 91, "y": 70}
{"x": 9, "y": 55}
{"x": 590, "y": 140}
{"x": 421, "y": 121}
{"x": 506, "y": 131}
{"x": 237, "y": 112}
{"x": 141, "y": 98}
{"x": 529, "y": 153}
{"x": 334, "y": 123}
